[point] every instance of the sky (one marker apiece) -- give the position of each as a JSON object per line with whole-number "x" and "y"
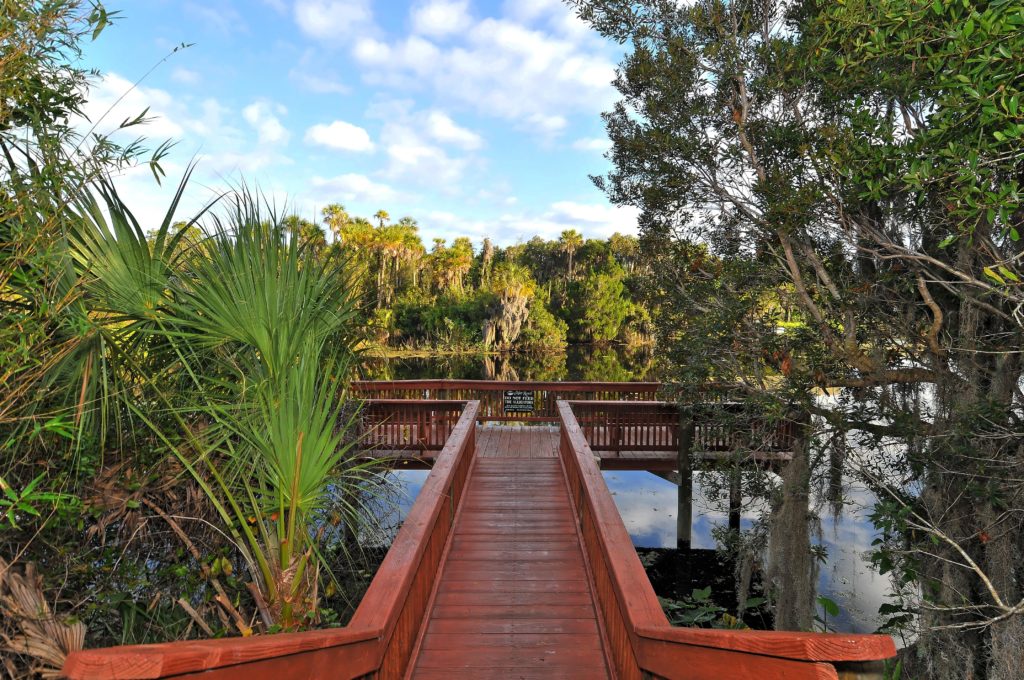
{"x": 477, "y": 118}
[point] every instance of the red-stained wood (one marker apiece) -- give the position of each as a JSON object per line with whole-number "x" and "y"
{"x": 356, "y": 650}
{"x": 641, "y": 642}
{"x": 500, "y": 610}
{"x": 652, "y": 426}
{"x": 790, "y": 645}
{"x": 513, "y": 562}
{"x": 489, "y": 393}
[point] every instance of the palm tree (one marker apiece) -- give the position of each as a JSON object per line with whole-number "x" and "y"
{"x": 382, "y": 217}
{"x": 515, "y": 288}
{"x": 569, "y": 242}
{"x": 336, "y": 218}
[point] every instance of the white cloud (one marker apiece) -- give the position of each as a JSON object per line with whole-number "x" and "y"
{"x": 593, "y": 220}
{"x": 319, "y": 84}
{"x": 412, "y": 141}
{"x": 341, "y": 136}
{"x": 547, "y": 124}
{"x": 243, "y": 163}
{"x": 333, "y": 19}
{"x": 597, "y": 219}
{"x": 185, "y": 76}
{"x": 600, "y": 144}
{"x": 353, "y": 187}
{"x": 502, "y": 68}
{"x": 217, "y": 15}
{"x": 113, "y": 99}
{"x": 262, "y": 116}
{"x": 438, "y": 18}
{"x": 445, "y": 130}
{"x": 415, "y": 55}
{"x": 414, "y": 159}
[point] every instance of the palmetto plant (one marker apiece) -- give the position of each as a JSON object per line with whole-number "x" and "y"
{"x": 235, "y": 357}
{"x": 266, "y": 331}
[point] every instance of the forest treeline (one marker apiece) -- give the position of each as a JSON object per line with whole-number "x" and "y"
{"x": 537, "y": 295}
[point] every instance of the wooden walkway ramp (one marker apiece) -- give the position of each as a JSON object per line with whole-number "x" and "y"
{"x": 513, "y": 599}
{"x": 512, "y": 563}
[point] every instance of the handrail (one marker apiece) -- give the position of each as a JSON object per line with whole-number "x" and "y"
{"x": 654, "y": 426}
{"x": 376, "y": 643}
{"x": 408, "y": 424}
{"x": 489, "y": 393}
{"x": 642, "y": 643}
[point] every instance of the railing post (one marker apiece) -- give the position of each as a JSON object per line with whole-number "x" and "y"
{"x": 684, "y": 465}
{"x": 735, "y": 473}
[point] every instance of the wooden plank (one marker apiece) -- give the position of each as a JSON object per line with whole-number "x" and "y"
{"x": 566, "y": 656}
{"x": 457, "y": 641}
{"x": 523, "y": 626}
{"x": 514, "y": 558}
{"x": 452, "y": 585}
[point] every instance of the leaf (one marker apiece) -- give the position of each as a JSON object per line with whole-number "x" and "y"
{"x": 830, "y": 606}
{"x": 992, "y": 275}
{"x": 945, "y": 243}
{"x": 1008, "y": 274}
{"x": 937, "y": 6}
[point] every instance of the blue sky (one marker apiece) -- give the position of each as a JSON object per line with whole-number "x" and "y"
{"x": 477, "y": 118}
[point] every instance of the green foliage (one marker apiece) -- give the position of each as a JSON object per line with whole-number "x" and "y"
{"x": 454, "y": 298}
{"x": 607, "y": 305}
{"x": 829, "y": 197}
{"x": 699, "y": 610}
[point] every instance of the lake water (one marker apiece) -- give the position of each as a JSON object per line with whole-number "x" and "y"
{"x": 647, "y": 503}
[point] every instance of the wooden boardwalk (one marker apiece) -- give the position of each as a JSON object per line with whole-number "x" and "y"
{"x": 512, "y": 563}
{"x": 514, "y": 599}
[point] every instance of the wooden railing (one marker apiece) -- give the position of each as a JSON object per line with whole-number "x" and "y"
{"x": 377, "y": 642}
{"x": 407, "y": 424}
{"x": 642, "y": 643}
{"x": 490, "y": 394}
{"x": 654, "y": 426}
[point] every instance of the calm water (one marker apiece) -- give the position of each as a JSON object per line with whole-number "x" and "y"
{"x": 646, "y": 502}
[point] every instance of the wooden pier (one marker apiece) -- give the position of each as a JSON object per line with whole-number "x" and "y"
{"x": 512, "y": 563}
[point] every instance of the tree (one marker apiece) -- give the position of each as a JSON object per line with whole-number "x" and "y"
{"x": 602, "y": 317}
{"x": 382, "y": 218}
{"x": 855, "y": 160}
{"x": 570, "y": 241}
{"x": 336, "y": 219}
{"x": 514, "y": 288}
{"x": 486, "y": 261}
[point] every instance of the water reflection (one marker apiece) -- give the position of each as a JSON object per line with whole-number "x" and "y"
{"x": 648, "y": 506}
{"x": 388, "y": 509}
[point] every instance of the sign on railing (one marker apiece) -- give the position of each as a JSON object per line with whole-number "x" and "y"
{"x": 519, "y": 402}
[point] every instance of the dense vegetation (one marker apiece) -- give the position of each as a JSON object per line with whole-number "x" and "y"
{"x": 537, "y": 295}
{"x": 178, "y": 448}
{"x": 177, "y": 444}
{"x": 830, "y": 197}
